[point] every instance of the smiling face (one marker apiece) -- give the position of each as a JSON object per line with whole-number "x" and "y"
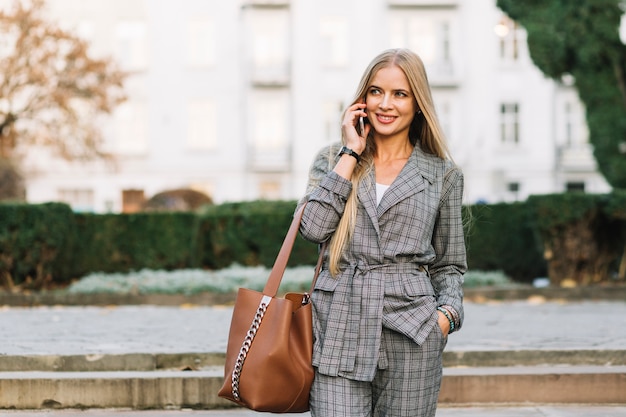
{"x": 391, "y": 106}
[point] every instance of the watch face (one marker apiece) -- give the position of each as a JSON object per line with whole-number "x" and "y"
{"x": 348, "y": 151}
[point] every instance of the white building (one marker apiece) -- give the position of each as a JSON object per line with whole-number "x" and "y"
{"x": 235, "y": 97}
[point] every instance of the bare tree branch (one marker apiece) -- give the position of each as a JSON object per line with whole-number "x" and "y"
{"x": 51, "y": 89}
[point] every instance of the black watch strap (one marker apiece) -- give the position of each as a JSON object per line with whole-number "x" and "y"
{"x": 348, "y": 151}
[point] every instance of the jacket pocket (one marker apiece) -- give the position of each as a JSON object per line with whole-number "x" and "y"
{"x": 326, "y": 282}
{"x": 418, "y": 284}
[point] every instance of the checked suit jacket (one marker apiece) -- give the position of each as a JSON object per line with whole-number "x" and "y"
{"x": 406, "y": 256}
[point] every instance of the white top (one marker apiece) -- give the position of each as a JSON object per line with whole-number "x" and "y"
{"x": 380, "y": 191}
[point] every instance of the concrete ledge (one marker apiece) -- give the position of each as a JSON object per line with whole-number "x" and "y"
{"x": 201, "y": 360}
{"x": 614, "y": 292}
{"x": 102, "y": 363}
{"x": 570, "y": 385}
{"x": 49, "y": 298}
{"x": 533, "y": 358}
{"x": 167, "y": 389}
{"x": 26, "y": 390}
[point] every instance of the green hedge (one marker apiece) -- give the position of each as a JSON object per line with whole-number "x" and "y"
{"x": 35, "y": 241}
{"x": 48, "y": 240}
{"x": 127, "y": 242}
{"x": 249, "y": 233}
{"x": 501, "y": 237}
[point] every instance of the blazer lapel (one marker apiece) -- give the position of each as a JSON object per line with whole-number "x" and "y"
{"x": 367, "y": 197}
{"x": 419, "y": 169}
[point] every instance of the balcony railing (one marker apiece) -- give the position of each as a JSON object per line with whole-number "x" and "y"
{"x": 270, "y": 76}
{"x": 576, "y": 158}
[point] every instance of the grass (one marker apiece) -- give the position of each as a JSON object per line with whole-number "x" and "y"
{"x": 193, "y": 281}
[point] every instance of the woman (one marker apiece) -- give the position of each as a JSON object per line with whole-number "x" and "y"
{"x": 388, "y": 204}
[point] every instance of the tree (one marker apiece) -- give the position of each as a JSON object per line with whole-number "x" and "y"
{"x": 11, "y": 181}
{"x": 581, "y": 38}
{"x": 51, "y": 89}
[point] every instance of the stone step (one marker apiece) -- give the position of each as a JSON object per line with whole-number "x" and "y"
{"x": 535, "y": 384}
{"x": 198, "y": 360}
{"x": 136, "y": 390}
{"x": 198, "y": 389}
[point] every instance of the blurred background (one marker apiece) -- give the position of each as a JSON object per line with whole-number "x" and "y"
{"x": 232, "y": 99}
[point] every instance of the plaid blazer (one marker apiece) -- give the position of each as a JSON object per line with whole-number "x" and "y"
{"x": 406, "y": 257}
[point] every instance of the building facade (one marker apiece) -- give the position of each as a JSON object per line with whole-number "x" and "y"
{"x": 234, "y": 98}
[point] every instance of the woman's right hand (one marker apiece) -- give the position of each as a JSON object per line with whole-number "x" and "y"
{"x": 348, "y": 127}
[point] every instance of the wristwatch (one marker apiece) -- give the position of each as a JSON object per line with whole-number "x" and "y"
{"x": 348, "y": 151}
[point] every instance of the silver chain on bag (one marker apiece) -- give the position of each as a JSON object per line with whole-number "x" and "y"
{"x": 247, "y": 342}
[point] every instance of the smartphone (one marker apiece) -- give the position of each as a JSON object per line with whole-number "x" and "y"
{"x": 362, "y": 124}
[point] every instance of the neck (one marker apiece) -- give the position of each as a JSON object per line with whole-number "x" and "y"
{"x": 392, "y": 150}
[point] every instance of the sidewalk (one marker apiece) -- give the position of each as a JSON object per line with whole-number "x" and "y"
{"x": 496, "y": 335}
{"x": 534, "y": 411}
{"x": 490, "y": 326}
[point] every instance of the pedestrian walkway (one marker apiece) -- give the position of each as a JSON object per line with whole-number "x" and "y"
{"x": 490, "y": 326}
{"x": 591, "y": 335}
{"x": 522, "y": 411}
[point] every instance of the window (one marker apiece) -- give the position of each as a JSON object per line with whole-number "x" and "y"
{"x": 270, "y": 114}
{"x": 331, "y": 113}
{"x": 131, "y": 121}
{"x": 509, "y": 123}
{"x": 568, "y": 123}
{"x": 200, "y": 43}
{"x": 509, "y": 34}
{"x": 78, "y": 199}
{"x": 132, "y": 200}
{"x": 268, "y": 130}
{"x": 575, "y": 186}
{"x": 573, "y": 123}
{"x": 334, "y": 34}
{"x": 513, "y": 187}
{"x": 270, "y": 38}
{"x": 201, "y": 125}
{"x": 132, "y": 47}
{"x": 429, "y": 34}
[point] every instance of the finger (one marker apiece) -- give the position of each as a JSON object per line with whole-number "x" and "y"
{"x": 366, "y": 131}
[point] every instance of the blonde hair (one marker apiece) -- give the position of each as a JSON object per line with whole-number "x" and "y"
{"x": 424, "y": 132}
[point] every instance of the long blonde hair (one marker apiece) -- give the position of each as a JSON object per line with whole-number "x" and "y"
{"x": 424, "y": 132}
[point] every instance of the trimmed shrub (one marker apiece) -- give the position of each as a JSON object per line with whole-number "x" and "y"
{"x": 501, "y": 237}
{"x": 35, "y": 242}
{"x": 127, "y": 242}
{"x": 250, "y": 234}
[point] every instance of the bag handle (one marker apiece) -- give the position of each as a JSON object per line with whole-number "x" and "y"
{"x": 278, "y": 270}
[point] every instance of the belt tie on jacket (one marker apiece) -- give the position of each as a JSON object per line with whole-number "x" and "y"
{"x": 355, "y": 319}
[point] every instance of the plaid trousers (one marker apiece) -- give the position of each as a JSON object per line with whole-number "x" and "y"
{"x": 406, "y": 383}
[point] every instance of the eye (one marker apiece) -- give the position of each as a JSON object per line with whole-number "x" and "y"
{"x": 374, "y": 91}
{"x": 401, "y": 94}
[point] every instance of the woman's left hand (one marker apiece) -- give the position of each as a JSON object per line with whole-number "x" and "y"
{"x": 444, "y": 323}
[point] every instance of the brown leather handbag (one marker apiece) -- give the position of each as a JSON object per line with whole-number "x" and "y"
{"x": 270, "y": 344}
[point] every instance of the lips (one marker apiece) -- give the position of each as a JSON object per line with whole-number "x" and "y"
{"x": 385, "y": 119}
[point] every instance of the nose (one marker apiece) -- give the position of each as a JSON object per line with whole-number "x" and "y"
{"x": 384, "y": 103}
